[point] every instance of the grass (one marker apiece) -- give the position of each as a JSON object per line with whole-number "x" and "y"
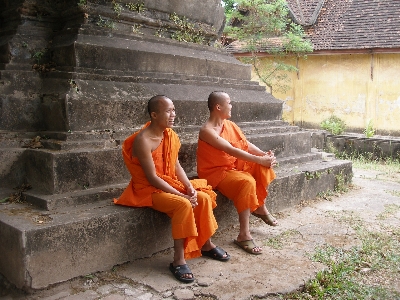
{"x": 279, "y": 241}
{"x": 390, "y": 210}
{"x": 369, "y": 270}
{"x": 388, "y": 167}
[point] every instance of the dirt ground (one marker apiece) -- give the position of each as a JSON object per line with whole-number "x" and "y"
{"x": 284, "y": 266}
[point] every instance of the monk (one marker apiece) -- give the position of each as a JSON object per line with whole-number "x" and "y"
{"x": 235, "y": 167}
{"x": 158, "y": 181}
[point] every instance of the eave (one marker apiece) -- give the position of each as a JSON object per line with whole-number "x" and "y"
{"x": 326, "y": 52}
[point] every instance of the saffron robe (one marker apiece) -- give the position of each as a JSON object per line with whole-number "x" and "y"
{"x": 215, "y": 166}
{"x": 197, "y": 224}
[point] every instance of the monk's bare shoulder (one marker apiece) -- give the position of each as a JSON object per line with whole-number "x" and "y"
{"x": 206, "y": 131}
{"x": 141, "y": 144}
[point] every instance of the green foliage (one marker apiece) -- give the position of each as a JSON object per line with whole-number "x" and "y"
{"x": 82, "y": 2}
{"x": 388, "y": 167}
{"x": 138, "y": 7}
{"x": 311, "y": 175}
{"x": 341, "y": 182}
{"x": 346, "y": 269}
{"x": 390, "y": 209}
{"x": 186, "y": 31}
{"x": 38, "y": 55}
{"x": 379, "y": 252}
{"x": 265, "y": 26}
{"x": 136, "y": 28}
{"x": 105, "y": 23}
{"x": 282, "y": 239}
{"x": 160, "y": 32}
{"x": 369, "y": 130}
{"x": 117, "y": 8}
{"x": 334, "y": 125}
{"x": 273, "y": 73}
{"x": 229, "y": 6}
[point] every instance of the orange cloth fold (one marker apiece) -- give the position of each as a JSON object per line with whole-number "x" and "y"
{"x": 140, "y": 193}
{"x": 214, "y": 165}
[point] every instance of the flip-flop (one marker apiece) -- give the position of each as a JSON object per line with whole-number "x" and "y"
{"x": 216, "y": 253}
{"x": 268, "y": 219}
{"x": 248, "y": 246}
{"x": 181, "y": 270}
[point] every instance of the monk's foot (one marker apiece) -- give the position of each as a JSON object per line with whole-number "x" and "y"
{"x": 182, "y": 273}
{"x": 179, "y": 262}
{"x": 262, "y": 210}
{"x": 216, "y": 253}
{"x": 249, "y": 246}
{"x": 208, "y": 246}
{"x": 268, "y": 219}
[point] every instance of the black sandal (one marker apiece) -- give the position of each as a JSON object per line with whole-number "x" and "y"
{"x": 181, "y": 270}
{"x": 217, "y": 253}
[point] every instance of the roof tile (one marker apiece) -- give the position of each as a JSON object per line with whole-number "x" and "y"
{"x": 356, "y": 24}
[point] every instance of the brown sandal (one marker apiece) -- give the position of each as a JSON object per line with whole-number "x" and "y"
{"x": 268, "y": 219}
{"x": 248, "y": 246}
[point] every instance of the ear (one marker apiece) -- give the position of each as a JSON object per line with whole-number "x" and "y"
{"x": 153, "y": 115}
{"x": 218, "y": 107}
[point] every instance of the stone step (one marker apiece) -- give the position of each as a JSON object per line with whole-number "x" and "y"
{"x": 147, "y": 54}
{"x": 74, "y": 199}
{"x": 377, "y": 147}
{"x": 96, "y": 109}
{"x": 19, "y": 139}
{"x": 269, "y": 129}
{"x": 283, "y": 144}
{"x": 83, "y": 166}
{"x": 96, "y": 236}
{"x": 94, "y": 195}
{"x": 152, "y": 77}
{"x": 57, "y": 172}
{"x": 99, "y": 144}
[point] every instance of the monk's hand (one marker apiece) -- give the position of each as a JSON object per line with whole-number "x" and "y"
{"x": 268, "y": 160}
{"x": 192, "y": 193}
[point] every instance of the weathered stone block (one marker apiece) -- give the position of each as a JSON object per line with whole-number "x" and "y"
{"x": 58, "y": 172}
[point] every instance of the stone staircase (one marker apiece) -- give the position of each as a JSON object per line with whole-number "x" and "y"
{"x": 67, "y": 225}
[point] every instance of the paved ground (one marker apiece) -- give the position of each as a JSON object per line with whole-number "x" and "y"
{"x": 274, "y": 272}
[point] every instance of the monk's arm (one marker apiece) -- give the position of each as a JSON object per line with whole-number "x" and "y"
{"x": 142, "y": 150}
{"x": 180, "y": 173}
{"x": 253, "y": 149}
{"x": 211, "y": 137}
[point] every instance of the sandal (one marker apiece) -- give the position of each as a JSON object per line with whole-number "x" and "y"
{"x": 268, "y": 219}
{"x": 216, "y": 253}
{"x": 181, "y": 270}
{"x": 248, "y": 246}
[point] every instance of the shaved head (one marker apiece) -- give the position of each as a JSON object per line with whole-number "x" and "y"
{"x": 154, "y": 103}
{"x": 215, "y": 98}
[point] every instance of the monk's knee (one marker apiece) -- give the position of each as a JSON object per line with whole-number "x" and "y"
{"x": 249, "y": 182}
{"x": 203, "y": 199}
{"x": 186, "y": 205}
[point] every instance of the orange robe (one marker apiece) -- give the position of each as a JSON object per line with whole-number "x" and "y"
{"x": 230, "y": 175}
{"x": 197, "y": 224}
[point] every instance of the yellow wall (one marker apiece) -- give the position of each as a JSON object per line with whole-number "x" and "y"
{"x": 342, "y": 85}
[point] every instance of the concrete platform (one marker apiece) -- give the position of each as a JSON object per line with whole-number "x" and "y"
{"x": 276, "y": 272}
{"x": 85, "y": 238}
